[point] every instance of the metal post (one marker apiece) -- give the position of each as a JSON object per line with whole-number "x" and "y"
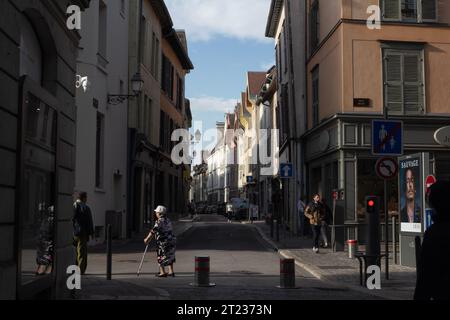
{"x": 271, "y": 224}
{"x": 333, "y": 230}
{"x": 278, "y": 228}
{"x": 108, "y": 252}
{"x": 394, "y": 238}
{"x": 386, "y": 230}
{"x": 386, "y": 213}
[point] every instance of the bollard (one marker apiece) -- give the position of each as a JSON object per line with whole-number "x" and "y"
{"x": 287, "y": 274}
{"x": 108, "y": 252}
{"x": 352, "y": 248}
{"x": 202, "y": 269}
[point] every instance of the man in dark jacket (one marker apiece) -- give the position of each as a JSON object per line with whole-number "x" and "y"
{"x": 83, "y": 228}
{"x": 315, "y": 213}
{"x": 433, "y": 269}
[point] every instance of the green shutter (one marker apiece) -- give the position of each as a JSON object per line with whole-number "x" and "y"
{"x": 412, "y": 83}
{"x": 391, "y": 9}
{"x": 429, "y": 10}
{"x": 393, "y": 82}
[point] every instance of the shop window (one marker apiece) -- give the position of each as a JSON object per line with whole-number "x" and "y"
{"x": 37, "y": 208}
{"x": 369, "y": 184}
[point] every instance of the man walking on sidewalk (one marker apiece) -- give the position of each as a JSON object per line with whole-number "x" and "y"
{"x": 315, "y": 213}
{"x": 83, "y": 228}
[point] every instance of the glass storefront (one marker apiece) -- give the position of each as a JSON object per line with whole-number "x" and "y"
{"x": 370, "y": 184}
{"x": 38, "y": 190}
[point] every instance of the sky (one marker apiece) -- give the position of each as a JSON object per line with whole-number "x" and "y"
{"x": 225, "y": 40}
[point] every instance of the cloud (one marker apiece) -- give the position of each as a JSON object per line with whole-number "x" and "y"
{"x": 206, "y": 19}
{"x": 212, "y": 104}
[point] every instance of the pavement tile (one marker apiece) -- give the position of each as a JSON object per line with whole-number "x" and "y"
{"x": 338, "y": 268}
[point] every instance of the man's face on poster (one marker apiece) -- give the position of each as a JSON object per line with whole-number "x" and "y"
{"x": 410, "y": 187}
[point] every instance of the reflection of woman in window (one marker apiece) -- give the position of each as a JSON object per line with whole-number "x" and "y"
{"x": 44, "y": 258}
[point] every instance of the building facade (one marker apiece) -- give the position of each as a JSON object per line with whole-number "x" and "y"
{"x": 216, "y": 168}
{"x": 285, "y": 25}
{"x": 398, "y": 68}
{"x": 173, "y": 180}
{"x": 101, "y": 162}
{"x": 231, "y": 132}
{"x": 159, "y": 54}
{"x": 266, "y": 103}
{"x": 37, "y": 147}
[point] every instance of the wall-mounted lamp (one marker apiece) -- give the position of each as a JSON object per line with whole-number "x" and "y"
{"x": 137, "y": 84}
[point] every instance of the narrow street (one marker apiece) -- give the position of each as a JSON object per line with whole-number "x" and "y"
{"x": 243, "y": 266}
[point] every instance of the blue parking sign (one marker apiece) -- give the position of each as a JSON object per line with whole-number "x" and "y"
{"x": 387, "y": 137}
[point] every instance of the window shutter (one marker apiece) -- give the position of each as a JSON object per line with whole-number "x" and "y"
{"x": 412, "y": 83}
{"x": 429, "y": 10}
{"x": 391, "y": 9}
{"x": 393, "y": 82}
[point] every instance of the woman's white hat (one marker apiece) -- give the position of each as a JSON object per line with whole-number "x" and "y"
{"x": 161, "y": 209}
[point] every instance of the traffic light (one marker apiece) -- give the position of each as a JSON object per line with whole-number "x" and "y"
{"x": 372, "y": 204}
{"x": 373, "y": 227}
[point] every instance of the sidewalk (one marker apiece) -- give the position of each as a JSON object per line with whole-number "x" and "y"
{"x": 338, "y": 268}
{"x": 126, "y": 257}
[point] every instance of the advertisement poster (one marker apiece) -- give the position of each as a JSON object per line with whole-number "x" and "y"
{"x": 411, "y": 197}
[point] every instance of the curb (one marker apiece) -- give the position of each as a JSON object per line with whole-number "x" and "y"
{"x": 265, "y": 238}
{"x": 184, "y": 231}
{"x": 314, "y": 272}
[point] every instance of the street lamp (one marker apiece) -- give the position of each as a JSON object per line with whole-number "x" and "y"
{"x": 137, "y": 84}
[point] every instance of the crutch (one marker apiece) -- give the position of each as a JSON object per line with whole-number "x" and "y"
{"x": 143, "y": 256}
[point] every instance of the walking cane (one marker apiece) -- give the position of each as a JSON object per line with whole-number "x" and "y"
{"x": 143, "y": 256}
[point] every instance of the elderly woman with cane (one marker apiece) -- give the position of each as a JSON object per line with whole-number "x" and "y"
{"x": 165, "y": 242}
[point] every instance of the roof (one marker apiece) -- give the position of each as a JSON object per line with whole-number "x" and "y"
{"x": 273, "y": 20}
{"x": 178, "y": 45}
{"x": 255, "y": 80}
{"x": 182, "y": 36}
{"x": 178, "y": 48}
{"x": 163, "y": 14}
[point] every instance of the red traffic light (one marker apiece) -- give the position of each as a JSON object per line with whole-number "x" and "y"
{"x": 371, "y": 203}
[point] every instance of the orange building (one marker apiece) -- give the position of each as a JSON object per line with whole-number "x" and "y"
{"x": 173, "y": 187}
{"x": 355, "y": 71}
